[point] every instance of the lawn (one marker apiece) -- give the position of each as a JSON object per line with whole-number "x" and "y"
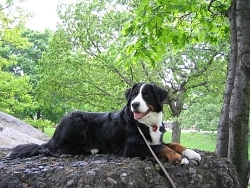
{"x": 49, "y": 131}
{"x": 195, "y": 140}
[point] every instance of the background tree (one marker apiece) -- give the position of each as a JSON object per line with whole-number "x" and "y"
{"x": 27, "y": 62}
{"x": 202, "y": 112}
{"x": 161, "y": 27}
{"x": 20, "y": 51}
{"x": 233, "y": 126}
{"x": 195, "y": 69}
{"x": 14, "y": 91}
{"x": 82, "y": 66}
{"x": 81, "y": 47}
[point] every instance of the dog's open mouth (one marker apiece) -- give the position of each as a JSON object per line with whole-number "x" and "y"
{"x": 139, "y": 115}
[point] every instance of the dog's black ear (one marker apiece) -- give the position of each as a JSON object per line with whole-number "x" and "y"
{"x": 161, "y": 94}
{"x": 129, "y": 92}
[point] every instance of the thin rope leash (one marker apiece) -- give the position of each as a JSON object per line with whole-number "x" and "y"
{"x": 158, "y": 161}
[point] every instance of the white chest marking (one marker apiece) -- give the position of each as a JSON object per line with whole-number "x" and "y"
{"x": 155, "y": 136}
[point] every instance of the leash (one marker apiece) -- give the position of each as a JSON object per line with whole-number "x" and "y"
{"x": 158, "y": 161}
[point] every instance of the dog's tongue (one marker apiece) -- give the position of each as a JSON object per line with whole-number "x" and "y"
{"x": 138, "y": 115}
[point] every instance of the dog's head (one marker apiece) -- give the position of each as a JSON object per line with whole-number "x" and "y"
{"x": 145, "y": 101}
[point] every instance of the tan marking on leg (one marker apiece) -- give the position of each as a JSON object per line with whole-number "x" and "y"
{"x": 172, "y": 156}
{"x": 176, "y": 147}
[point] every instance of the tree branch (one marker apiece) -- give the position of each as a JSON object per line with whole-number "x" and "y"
{"x": 210, "y": 5}
{"x": 7, "y": 6}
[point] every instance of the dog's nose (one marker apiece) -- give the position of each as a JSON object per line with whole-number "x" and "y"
{"x": 135, "y": 105}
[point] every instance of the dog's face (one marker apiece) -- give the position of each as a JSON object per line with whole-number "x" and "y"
{"x": 145, "y": 100}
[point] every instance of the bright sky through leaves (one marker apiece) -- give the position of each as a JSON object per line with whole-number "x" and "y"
{"x": 44, "y": 13}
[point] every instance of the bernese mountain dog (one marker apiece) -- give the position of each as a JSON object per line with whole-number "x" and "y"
{"x": 114, "y": 132}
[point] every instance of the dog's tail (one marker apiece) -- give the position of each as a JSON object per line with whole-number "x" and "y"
{"x": 29, "y": 150}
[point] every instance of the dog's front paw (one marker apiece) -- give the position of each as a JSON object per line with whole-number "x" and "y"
{"x": 176, "y": 158}
{"x": 191, "y": 154}
{"x": 94, "y": 151}
{"x": 184, "y": 161}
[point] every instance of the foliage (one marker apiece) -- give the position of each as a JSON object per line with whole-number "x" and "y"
{"x": 170, "y": 27}
{"x": 39, "y": 123}
{"x": 195, "y": 69}
{"x": 159, "y": 24}
{"x": 28, "y": 57}
{"x": 12, "y": 20}
{"x": 78, "y": 71}
{"x": 25, "y": 64}
{"x": 202, "y": 113}
{"x": 19, "y": 54}
{"x": 14, "y": 91}
{"x": 81, "y": 68}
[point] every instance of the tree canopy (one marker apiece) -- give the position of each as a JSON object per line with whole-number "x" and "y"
{"x": 97, "y": 53}
{"x": 14, "y": 92}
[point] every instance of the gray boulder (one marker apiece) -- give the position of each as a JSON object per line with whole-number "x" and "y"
{"x": 112, "y": 171}
{"x": 13, "y": 132}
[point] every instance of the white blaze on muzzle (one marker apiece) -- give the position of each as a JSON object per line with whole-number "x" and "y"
{"x": 139, "y": 106}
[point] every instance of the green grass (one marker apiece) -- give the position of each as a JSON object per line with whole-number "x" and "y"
{"x": 195, "y": 140}
{"x": 49, "y": 131}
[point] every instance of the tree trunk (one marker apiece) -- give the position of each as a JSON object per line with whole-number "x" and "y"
{"x": 176, "y": 132}
{"x": 233, "y": 124}
{"x": 176, "y": 106}
{"x": 223, "y": 131}
{"x": 239, "y": 105}
{"x": 38, "y": 116}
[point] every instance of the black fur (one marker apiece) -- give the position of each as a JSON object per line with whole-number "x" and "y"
{"x": 111, "y": 132}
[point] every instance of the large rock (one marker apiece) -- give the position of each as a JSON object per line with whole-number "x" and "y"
{"x": 111, "y": 171}
{"x": 14, "y": 132}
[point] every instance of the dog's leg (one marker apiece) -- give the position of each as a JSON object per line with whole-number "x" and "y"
{"x": 172, "y": 156}
{"x": 189, "y": 153}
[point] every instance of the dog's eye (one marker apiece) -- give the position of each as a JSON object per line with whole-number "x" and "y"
{"x": 135, "y": 93}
